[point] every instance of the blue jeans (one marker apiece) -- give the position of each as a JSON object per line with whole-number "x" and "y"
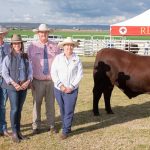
{"x": 17, "y": 99}
{"x": 66, "y": 104}
{"x": 3, "y": 99}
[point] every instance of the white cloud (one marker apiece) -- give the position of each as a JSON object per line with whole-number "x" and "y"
{"x": 71, "y": 12}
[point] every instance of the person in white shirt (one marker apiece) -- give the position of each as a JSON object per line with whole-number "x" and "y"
{"x": 66, "y": 73}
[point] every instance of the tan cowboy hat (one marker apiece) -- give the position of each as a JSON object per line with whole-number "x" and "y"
{"x": 68, "y": 40}
{"x": 42, "y": 28}
{"x": 16, "y": 38}
{"x": 3, "y": 30}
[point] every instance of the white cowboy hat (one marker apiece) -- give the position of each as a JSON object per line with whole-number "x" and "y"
{"x": 68, "y": 40}
{"x": 3, "y": 30}
{"x": 16, "y": 38}
{"x": 42, "y": 28}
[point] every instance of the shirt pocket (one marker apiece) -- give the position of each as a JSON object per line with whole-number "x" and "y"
{"x": 37, "y": 55}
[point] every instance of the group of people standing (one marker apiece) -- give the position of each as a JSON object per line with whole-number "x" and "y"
{"x": 51, "y": 70}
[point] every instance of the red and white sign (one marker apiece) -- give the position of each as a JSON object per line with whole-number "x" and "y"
{"x": 130, "y": 30}
{"x": 136, "y": 26}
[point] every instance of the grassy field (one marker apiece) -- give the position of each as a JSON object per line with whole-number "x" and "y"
{"x": 63, "y": 33}
{"x": 127, "y": 129}
{"x": 86, "y": 34}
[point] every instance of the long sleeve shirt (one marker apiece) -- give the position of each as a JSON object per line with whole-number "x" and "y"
{"x": 66, "y": 72}
{"x": 36, "y": 55}
{"x": 14, "y": 71}
{"x": 4, "y": 50}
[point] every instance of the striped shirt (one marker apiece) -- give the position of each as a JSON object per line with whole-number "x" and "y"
{"x": 36, "y": 55}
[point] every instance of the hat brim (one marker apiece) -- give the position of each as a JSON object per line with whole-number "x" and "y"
{"x": 18, "y": 41}
{"x": 61, "y": 44}
{"x": 4, "y": 32}
{"x": 37, "y": 30}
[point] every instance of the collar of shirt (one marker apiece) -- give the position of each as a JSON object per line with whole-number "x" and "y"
{"x": 72, "y": 55}
{"x": 71, "y": 59}
{"x": 49, "y": 45}
{"x": 42, "y": 44}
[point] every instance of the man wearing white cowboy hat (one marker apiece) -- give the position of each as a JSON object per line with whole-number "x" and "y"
{"x": 4, "y": 50}
{"x": 42, "y": 53}
{"x": 66, "y": 72}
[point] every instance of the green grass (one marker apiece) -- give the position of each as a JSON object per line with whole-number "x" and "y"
{"x": 83, "y": 34}
{"x": 127, "y": 129}
{"x": 138, "y": 37}
{"x": 29, "y": 33}
{"x": 78, "y": 34}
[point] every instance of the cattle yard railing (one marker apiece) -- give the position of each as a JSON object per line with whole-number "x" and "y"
{"x": 90, "y": 45}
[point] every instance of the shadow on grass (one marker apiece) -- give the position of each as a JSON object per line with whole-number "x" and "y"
{"x": 123, "y": 114}
{"x": 87, "y": 122}
{"x": 44, "y": 127}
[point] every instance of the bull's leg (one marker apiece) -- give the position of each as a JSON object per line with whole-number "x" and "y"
{"x": 97, "y": 92}
{"x": 107, "y": 96}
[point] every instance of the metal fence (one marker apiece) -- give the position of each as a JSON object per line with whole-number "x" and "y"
{"x": 90, "y": 45}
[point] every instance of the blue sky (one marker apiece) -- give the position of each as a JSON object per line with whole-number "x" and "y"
{"x": 71, "y": 11}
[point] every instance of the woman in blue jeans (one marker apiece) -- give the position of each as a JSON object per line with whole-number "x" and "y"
{"x": 66, "y": 72}
{"x": 17, "y": 74}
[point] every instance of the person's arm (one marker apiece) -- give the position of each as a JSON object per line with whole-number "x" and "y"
{"x": 79, "y": 75}
{"x": 75, "y": 82}
{"x": 54, "y": 72}
{"x": 5, "y": 70}
{"x": 29, "y": 49}
{"x": 30, "y": 71}
{"x": 30, "y": 77}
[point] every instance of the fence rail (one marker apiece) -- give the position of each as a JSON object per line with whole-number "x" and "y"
{"x": 90, "y": 45}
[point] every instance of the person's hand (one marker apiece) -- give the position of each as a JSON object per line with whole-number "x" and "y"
{"x": 62, "y": 88}
{"x": 65, "y": 89}
{"x": 16, "y": 86}
{"x": 25, "y": 85}
{"x": 31, "y": 86}
{"x": 68, "y": 90}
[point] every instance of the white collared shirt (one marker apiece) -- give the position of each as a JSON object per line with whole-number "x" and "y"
{"x": 66, "y": 72}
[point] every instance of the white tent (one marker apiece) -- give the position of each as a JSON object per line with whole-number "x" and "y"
{"x": 136, "y": 26}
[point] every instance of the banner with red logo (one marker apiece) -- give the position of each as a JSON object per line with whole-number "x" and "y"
{"x": 130, "y": 30}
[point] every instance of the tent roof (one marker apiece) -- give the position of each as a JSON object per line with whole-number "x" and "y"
{"x": 139, "y": 20}
{"x": 136, "y": 26}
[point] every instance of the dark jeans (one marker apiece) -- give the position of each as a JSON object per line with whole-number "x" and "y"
{"x": 66, "y": 104}
{"x": 3, "y": 99}
{"x": 17, "y": 99}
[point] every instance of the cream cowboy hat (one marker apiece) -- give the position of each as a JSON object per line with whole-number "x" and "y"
{"x": 3, "y": 30}
{"x": 68, "y": 40}
{"x": 16, "y": 38}
{"x": 42, "y": 28}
